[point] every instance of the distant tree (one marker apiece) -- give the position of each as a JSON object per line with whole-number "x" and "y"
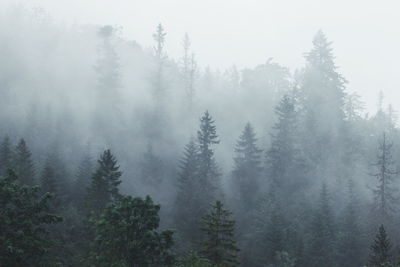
{"x": 247, "y": 168}
{"x": 322, "y": 235}
{"x": 219, "y": 245}
{"x": 151, "y": 169}
{"x": 380, "y": 255}
{"x": 6, "y": 155}
{"x": 24, "y": 217}
{"x": 192, "y": 259}
{"x": 209, "y": 174}
{"x": 384, "y": 194}
{"x": 126, "y": 235}
{"x": 23, "y": 163}
{"x": 186, "y": 215}
{"x": 48, "y": 182}
{"x": 82, "y": 181}
{"x": 160, "y": 57}
{"x": 188, "y": 69}
{"x": 104, "y": 183}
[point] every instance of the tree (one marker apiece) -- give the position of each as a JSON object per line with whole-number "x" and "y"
{"x": 208, "y": 170}
{"x": 23, "y": 164}
{"x": 82, "y": 180}
{"x": 104, "y": 184}
{"x": 219, "y": 246}
{"x": 247, "y": 169}
{"x": 24, "y": 216}
{"x": 151, "y": 169}
{"x": 188, "y": 69}
{"x": 322, "y": 239}
{"x": 186, "y": 215}
{"x": 126, "y": 235}
{"x": 5, "y": 155}
{"x": 192, "y": 259}
{"x": 384, "y": 193}
{"x": 160, "y": 57}
{"x": 380, "y": 251}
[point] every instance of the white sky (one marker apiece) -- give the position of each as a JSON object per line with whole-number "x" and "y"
{"x": 366, "y": 33}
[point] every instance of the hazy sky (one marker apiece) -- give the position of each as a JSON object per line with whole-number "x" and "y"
{"x": 366, "y": 34}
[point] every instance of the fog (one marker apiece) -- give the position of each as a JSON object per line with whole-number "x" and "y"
{"x": 286, "y": 112}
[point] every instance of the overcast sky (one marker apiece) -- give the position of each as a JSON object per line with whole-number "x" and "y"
{"x": 366, "y": 34}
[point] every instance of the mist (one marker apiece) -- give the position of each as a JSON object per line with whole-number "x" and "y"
{"x": 280, "y": 150}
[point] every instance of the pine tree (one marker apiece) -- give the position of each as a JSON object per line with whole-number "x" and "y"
{"x": 151, "y": 169}
{"x": 322, "y": 239}
{"x": 384, "y": 194}
{"x": 186, "y": 213}
{"x": 5, "y": 155}
{"x": 82, "y": 181}
{"x": 104, "y": 184}
{"x": 188, "y": 69}
{"x": 160, "y": 57}
{"x": 247, "y": 169}
{"x": 380, "y": 255}
{"x": 219, "y": 246}
{"x": 48, "y": 180}
{"x": 23, "y": 164}
{"x": 209, "y": 175}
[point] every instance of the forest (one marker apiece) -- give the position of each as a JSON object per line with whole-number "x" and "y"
{"x": 115, "y": 154}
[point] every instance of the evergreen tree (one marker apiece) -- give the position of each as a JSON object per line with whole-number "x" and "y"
{"x": 160, "y": 57}
{"x": 24, "y": 217}
{"x": 48, "y": 180}
{"x": 322, "y": 239}
{"x": 247, "y": 169}
{"x": 384, "y": 193}
{"x": 186, "y": 213}
{"x": 126, "y": 235}
{"x": 219, "y": 246}
{"x": 151, "y": 169}
{"x": 5, "y": 155}
{"x": 104, "y": 184}
{"x": 208, "y": 170}
{"x": 380, "y": 255}
{"x": 23, "y": 163}
{"x": 188, "y": 69}
{"x": 82, "y": 181}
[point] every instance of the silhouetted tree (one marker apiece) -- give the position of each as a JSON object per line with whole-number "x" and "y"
{"x": 380, "y": 255}
{"x": 23, "y": 163}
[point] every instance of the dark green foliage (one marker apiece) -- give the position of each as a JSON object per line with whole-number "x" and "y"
{"x": 192, "y": 259}
{"x": 126, "y": 235}
{"x": 219, "y": 245}
{"x": 104, "y": 184}
{"x": 24, "y": 215}
{"x": 380, "y": 255}
{"x": 5, "y": 155}
{"x": 23, "y": 164}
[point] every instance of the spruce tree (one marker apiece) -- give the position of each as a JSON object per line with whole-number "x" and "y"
{"x": 23, "y": 164}
{"x": 380, "y": 255}
{"x": 82, "y": 181}
{"x": 186, "y": 215}
{"x": 384, "y": 193}
{"x": 5, "y": 155}
{"x": 247, "y": 169}
{"x": 219, "y": 246}
{"x": 104, "y": 183}
{"x": 151, "y": 169}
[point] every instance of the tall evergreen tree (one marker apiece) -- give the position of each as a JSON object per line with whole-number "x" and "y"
{"x": 82, "y": 180}
{"x": 384, "y": 193}
{"x": 5, "y": 155}
{"x": 380, "y": 255}
{"x": 151, "y": 169}
{"x": 219, "y": 246}
{"x": 322, "y": 236}
{"x": 247, "y": 169}
{"x": 23, "y": 164}
{"x": 104, "y": 184}
{"x": 188, "y": 69}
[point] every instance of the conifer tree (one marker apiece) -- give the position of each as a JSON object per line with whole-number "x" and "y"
{"x": 322, "y": 240}
{"x": 48, "y": 180}
{"x": 23, "y": 163}
{"x": 384, "y": 193}
{"x": 82, "y": 180}
{"x": 104, "y": 183}
{"x": 380, "y": 255}
{"x": 5, "y": 155}
{"x": 247, "y": 169}
{"x": 151, "y": 169}
{"x": 186, "y": 214}
{"x": 219, "y": 246}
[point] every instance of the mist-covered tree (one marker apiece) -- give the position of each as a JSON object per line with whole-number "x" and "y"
{"x": 380, "y": 255}
{"x": 247, "y": 168}
{"x": 186, "y": 214}
{"x": 104, "y": 183}
{"x": 151, "y": 169}
{"x": 192, "y": 259}
{"x": 24, "y": 217}
{"x": 385, "y": 199}
{"x": 209, "y": 174}
{"x": 126, "y": 235}
{"x": 82, "y": 181}
{"x": 219, "y": 245}
{"x": 188, "y": 69}
{"x": 6, "y": 155}
{"x": 48, "y": 182}
{"x": 321, "y": 249}
{"x": 160, "y": 57}
{"x": 23, "y": 163}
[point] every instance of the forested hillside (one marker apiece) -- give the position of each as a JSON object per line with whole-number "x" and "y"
{"x": 112, "y": 154}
